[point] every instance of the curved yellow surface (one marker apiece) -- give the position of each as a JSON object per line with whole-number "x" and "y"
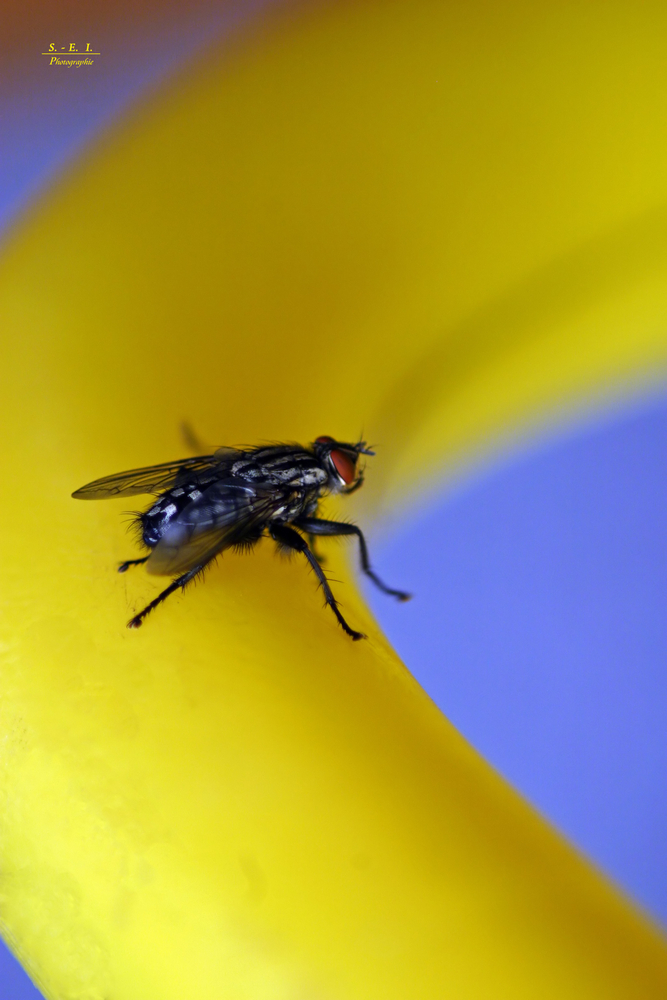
{"x": 434, "y": 221}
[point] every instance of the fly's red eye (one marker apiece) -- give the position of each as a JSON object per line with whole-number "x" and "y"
{"x": 344, "y": 466}
{"x": 324, "y": 440}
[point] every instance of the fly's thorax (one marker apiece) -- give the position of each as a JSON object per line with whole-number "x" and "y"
{"x": 300, "y": 503}
{"x": 282, "y": 465}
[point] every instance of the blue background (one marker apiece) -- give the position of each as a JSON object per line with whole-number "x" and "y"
{"x": 539, "y": 628}
{"x": 538, "y": 624}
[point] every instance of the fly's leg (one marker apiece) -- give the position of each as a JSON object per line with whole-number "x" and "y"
{"x": 191, "y": 439}
{"x": 175, "y": 585}
{"x": 318, "y": 526}
{"x": 123, "y": 568}
{"x": 292, "y": 540}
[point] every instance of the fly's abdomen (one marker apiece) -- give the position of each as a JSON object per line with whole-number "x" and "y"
{"x": 155, "y": 520}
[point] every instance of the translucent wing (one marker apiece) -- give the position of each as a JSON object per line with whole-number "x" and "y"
{"x": 156, "y": 478}
{"x": 225, "y": 513}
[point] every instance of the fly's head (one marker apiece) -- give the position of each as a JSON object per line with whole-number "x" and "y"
{"x": 341, "y": 461}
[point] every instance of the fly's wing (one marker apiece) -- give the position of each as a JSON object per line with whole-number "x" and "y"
{"x": 222, "y": 516}
{"x": 156, "y": 478}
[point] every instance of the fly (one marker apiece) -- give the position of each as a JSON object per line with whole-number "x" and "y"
{"x": 233, "y": 498}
